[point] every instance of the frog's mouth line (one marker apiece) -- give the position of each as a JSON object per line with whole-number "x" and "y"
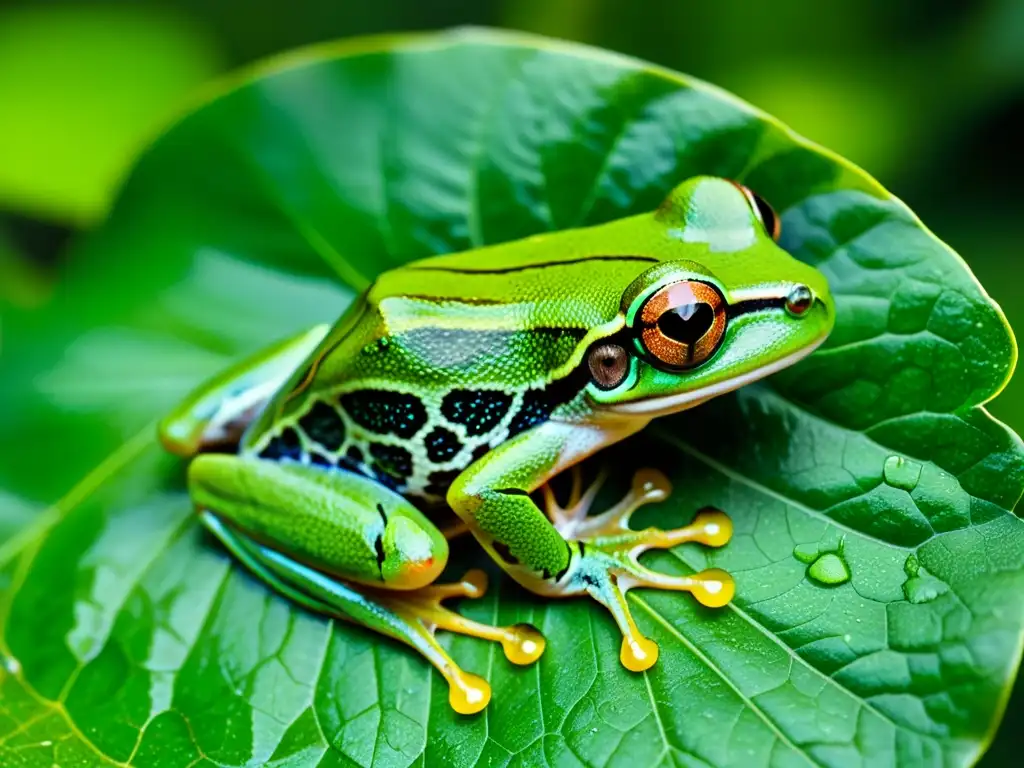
{"x": 662, "y": 406}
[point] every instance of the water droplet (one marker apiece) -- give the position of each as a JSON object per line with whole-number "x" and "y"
{"x": 901, "y": 473}
{"x": 829, "y": 569}
{"x": 806, "y": 553}
{"x": 923, "y": 587}
{"x": 12, "y": 665}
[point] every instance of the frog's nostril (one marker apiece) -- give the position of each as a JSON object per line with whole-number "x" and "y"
{"x": 799, "y": 300}
{"x": 687, "y": 323}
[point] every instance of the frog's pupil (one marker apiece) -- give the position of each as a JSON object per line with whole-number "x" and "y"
{"x": 687, "y": 323}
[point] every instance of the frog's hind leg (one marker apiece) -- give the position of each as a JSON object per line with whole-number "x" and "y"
{"x": 216, "y": 414}
{"x": 410, "y": 617}
{"x": 342, "y": 545}
{"x": 606, "y": 564}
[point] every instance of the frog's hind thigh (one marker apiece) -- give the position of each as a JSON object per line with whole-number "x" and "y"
{"x": 340, "y": 544}
{"x": 216, "y": 414}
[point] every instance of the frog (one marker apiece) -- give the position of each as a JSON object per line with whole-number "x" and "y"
{"x": 461, "y": 385}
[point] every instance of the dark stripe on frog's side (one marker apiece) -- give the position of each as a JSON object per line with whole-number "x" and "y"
{"x": 523, "y": 267}
{"x": 538, "y": 404}
{"x": 755, "y": 305}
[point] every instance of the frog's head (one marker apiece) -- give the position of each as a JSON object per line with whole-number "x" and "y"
{"x": 724, "y": 306}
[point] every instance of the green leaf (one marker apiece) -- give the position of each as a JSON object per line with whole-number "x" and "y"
{"x": 880, "y": 575}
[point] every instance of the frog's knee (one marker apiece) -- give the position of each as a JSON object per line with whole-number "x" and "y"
{"x": 412, "y": 552}
{"x": 181, "y": 433}
{"x": 214, "y": 481}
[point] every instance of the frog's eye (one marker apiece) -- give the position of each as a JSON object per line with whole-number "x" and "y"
{"x": 764, "y": 212}
{"x": 682, "y": 324}
{"x": 609, "y": 364}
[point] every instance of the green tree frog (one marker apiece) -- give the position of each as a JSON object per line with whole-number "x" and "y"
{"x": 465, "y": 382}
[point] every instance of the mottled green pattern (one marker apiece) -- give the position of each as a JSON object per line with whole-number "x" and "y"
{"x": 153, "y": 644}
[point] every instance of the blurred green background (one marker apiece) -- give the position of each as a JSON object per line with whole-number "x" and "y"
{"x": 926, "y": 95}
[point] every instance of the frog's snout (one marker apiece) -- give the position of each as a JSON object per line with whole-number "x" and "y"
{"x": 412, "y": 556}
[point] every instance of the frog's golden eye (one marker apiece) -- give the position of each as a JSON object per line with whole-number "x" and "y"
{"x": 764, "y": 212}
{"x": 609, "y": 364}
{"x": 682, "y": 324}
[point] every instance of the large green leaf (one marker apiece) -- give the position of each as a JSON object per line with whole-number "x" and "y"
{"x": 880, "y": 574}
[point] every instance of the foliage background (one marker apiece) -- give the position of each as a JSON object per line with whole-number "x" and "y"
{"x": 928, "y": 96}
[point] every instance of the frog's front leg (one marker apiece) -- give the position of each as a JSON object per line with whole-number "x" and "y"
{"x": 345, "y": 546}
{"x": 568, "y": 553}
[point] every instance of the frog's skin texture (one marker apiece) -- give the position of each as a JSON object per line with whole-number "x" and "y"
{"x": 467, "y": 381}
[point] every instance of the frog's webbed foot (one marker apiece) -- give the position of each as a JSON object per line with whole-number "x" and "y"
{"x": 423, "y": 613}
{"x": 410, "y": 616}
{"x": 606, "y": 564}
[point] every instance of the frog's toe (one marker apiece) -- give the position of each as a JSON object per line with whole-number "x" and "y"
{"x": 467, "y": 693}
{"x": 522, "y": 643}
{"x": 608, "y": 574}
{"x": 606, "y": 564}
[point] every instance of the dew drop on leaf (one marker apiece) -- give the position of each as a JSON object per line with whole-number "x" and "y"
{"x": 901, "y": 473}
{"x": 829, "y": 569}
{"x": 806, "y": 553}
{"x": 923, "y": 587}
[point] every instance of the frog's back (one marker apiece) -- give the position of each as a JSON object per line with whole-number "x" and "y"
{"x": 445, "y": 358}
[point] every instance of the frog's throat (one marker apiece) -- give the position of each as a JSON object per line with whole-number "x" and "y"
{"x": 662, "y": 406}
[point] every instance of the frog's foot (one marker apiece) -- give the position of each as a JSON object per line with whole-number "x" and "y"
{"x": 410, "y": 616}
{"x": 570, "y": 518}
{"x": 423, "y": 613}
{"x": 606, "y": 553}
